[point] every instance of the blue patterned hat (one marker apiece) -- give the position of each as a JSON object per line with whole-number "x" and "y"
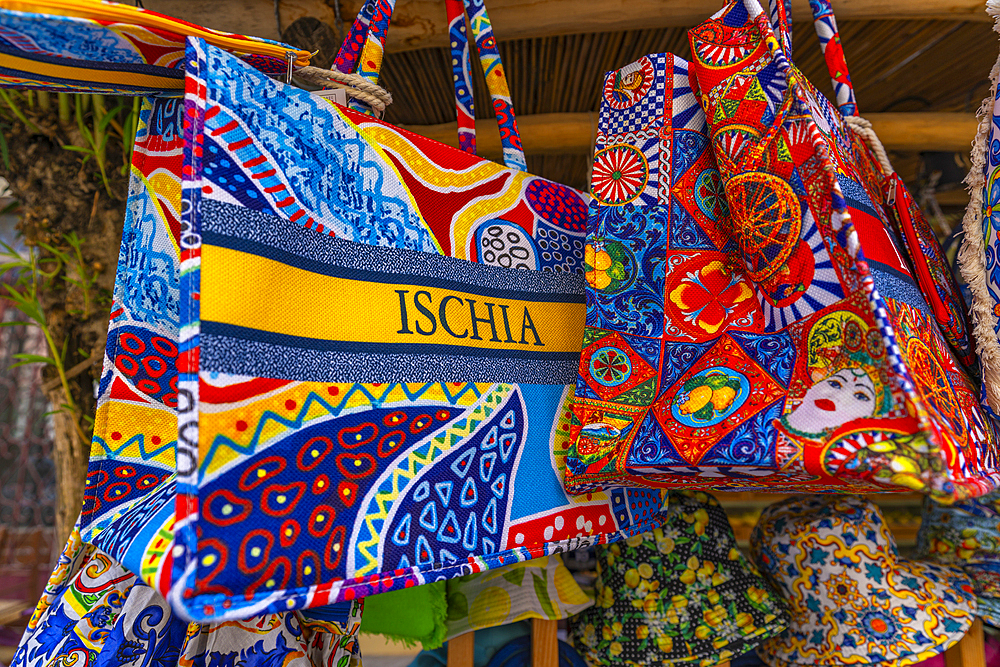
{"x": 852, "y": 599}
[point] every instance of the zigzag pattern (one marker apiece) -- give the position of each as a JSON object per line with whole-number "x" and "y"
{"x": 407, "y": 469}
{"x": 269, "y": 417}
{"x": 138, "y": 438}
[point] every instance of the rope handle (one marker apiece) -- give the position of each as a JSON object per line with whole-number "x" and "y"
{"x": 357, "y": 87}
{"x": 863, "y": 128}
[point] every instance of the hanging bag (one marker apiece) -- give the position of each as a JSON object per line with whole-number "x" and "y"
{"x": 798, "y": 350}
{"x": 363, "y": 407}
{"x": 106, "y": 47}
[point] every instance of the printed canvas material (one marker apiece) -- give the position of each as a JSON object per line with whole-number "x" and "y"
{"x": 852, "y": 599}
{"x": 105, "y": 47}
{"x": 681, "y": 594}
{"x": 94, "y": 611}
{"x": 539, "y": 588}
{"x": 132, "y": 454}
{"x": 752, "y": 321}
{"x": 967, "y": 535}
{"x": 299, "y": 485}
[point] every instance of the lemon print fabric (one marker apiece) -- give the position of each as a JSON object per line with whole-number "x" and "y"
{"x": 538, "y": 588}
{"x": 682, "y": 593}
{"x": 852, "y": 600}
{"x": 967, "y": 534}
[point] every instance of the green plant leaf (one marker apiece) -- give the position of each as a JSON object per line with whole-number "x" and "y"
{"x": 78, "y": 149}
{"x": 33, "y": 359}
{"x": 4, "y": 151}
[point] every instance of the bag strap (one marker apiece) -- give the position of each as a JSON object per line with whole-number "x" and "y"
{"x": 496, "y": 82}
{"x": 780, "y": 14}
{"x": 781, "y": 21}
{"x": 351, "y": 48}
{"x": 373, "y": 23}
{"x": 462, "y": 76}
{"x": 829, "y": 41}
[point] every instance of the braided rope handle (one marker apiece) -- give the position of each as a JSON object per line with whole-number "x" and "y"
{"x": 356, "y": 86}
{"x": 863, "y": 128}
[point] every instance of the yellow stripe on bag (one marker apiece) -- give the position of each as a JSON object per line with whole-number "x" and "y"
{"x": 291, "y": 301}
{"x": 50, "y": 71}
{"x": 111, "y": 11}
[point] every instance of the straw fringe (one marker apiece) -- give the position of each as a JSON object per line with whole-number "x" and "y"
{"x": 972, "y": 254}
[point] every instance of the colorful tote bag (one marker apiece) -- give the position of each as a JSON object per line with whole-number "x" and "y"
{"x": 329, "y": 450}
{"x": 94, "y": 611}
{"x": 105, "y": 47}
{"x": 798, "y": 351}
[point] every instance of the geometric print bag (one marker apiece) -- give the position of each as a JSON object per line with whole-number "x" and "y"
{"x": 368, "y": 402}
{"x": 798, "y": 350}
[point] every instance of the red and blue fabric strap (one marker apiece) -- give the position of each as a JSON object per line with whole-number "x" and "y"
{"x": 833, "y": 53}
{"x": 462, "y": 76}
{"x": 496, "y": 81}
{"x": 350, "y": 50}
{"x": 370, "y": 29}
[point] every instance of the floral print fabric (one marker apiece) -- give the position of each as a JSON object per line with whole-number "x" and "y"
{"x": 852, "y": 599}
{"x": 538, "y": 588}
{"x": 96, "y": 612}
{"x": 682, "y": 593}
{"x": 967, "y": 534}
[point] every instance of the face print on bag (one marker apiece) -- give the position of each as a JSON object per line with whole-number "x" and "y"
{"x": 836, "y": 399}
{"x": 844, "y": 354}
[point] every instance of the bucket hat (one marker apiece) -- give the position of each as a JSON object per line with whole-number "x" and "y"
{"x": 682, "y": 593}
{"x": 967, "y": 534}
{"x": 851, "y": 598}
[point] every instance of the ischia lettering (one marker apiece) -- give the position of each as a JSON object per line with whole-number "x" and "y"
{"x": 463, "y": 318}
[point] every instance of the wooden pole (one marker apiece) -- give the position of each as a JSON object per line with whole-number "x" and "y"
{"x": 574, "y": 133}
{"x": 418, "y": 24}
{"x": 461, "y": 650}
{"x": 970, "y": 651}
{"x": 544, "y": 643}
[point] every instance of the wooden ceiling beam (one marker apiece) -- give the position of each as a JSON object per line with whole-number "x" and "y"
{"x": 573, "y": 133}
{"x": 420, "y": 24}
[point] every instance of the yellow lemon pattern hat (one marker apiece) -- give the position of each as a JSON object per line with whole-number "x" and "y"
{"x": 682, "y": 593}
{"x": 967, "y": 534}
{"x": 852, "y": 599}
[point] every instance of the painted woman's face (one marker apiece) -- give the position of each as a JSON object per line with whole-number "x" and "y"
{"x": 837, "y": 399}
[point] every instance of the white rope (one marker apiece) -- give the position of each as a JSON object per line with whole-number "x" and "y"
{"x": 863, "y": 128}
{"x": 354, "y": 85}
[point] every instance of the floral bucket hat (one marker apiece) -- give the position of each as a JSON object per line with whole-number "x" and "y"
{"x": 967, "y": 534}
{"x": 682, "y": 593}
{"x": 851, "y": 598}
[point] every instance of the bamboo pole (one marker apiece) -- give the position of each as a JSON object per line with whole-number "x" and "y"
{"x": 461, "y": 650}
{"x": 574, "y": 133}
{"x": 418, "y": 24}
{"x": 544, "y": 643}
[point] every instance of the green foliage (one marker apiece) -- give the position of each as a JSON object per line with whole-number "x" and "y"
{"x": 96, "y": 139}
{"x": 30, "y": 280}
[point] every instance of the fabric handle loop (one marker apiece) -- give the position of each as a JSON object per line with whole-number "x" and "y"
{"x": 825, "y": 23}
{"x": 365, "y": 46}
